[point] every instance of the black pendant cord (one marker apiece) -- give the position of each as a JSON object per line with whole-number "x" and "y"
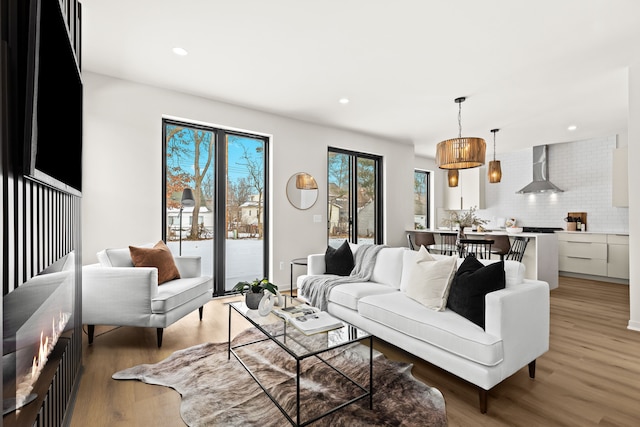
{"x": 494, "y": 142}
{"x": 459, "y": 119}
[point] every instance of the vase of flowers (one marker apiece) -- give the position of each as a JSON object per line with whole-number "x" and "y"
{"x": 254, "y": 291}
{"x": 463, "y": 219}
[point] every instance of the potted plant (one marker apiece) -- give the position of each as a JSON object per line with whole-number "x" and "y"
{"x": 254, "y": 291}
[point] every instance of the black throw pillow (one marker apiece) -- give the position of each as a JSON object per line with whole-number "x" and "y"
{"x": 339, "y": 261}
{"x": 471, "y": 283}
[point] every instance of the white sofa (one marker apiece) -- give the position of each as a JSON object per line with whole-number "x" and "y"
{"x": 516, "y": 320}
{"x": 114, "y": 292}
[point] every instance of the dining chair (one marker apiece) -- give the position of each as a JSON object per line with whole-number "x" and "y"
{"x": 423, "y": 238}
{"x": 447, "y": 245}
{"x": 410, "y": 242}
{"x": 518, "y": 247}
{"x": 501, "y": 245}
{"x": 480, "y": 248}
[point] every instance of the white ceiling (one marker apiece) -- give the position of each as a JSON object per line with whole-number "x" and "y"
{"x": 529, "y": 68}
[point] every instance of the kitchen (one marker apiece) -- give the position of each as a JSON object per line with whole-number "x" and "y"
{"x": 582, "y": 169}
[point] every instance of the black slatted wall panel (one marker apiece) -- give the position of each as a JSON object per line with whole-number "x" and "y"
{"x": 38, "y": 226}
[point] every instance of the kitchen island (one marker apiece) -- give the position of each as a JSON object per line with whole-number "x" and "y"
{"x": 540, "y": 257}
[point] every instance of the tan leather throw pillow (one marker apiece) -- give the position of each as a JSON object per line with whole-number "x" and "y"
{"x": 160, "y": 257}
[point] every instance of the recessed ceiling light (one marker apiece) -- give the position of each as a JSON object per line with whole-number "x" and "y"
{"x": 180, "y": 51}
{"x": 343, "y": 100}
{"x": 572, "y": 127}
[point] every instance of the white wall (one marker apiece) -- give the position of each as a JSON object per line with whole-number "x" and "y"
{"x": 122, "y": 176}
{"x": 583, "y": 169}
{"x": 634, "y": 195}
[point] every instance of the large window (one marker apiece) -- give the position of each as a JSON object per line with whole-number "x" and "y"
{"x": 355, "y": 202}
{"x": 226, "y": 172}
{"x": 421, "y": 199}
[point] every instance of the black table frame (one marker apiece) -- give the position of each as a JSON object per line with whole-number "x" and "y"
{"x": 295, "y": 261}
{"x": 365, "y": 393}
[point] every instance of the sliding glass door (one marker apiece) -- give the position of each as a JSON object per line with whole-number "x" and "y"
{"x": 355, "y": 202}
{"x": 223, "y": 219}
{"x": 245, "y": 209}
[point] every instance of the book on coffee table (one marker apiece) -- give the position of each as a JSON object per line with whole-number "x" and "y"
{"x": 309, "y": 320}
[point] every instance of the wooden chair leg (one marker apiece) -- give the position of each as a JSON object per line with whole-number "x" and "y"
{"x": 90, "y": 331}
{"x": 532, "y": 369}
{"x": 200, "y": 310}
{"x": 482, "y": 393}
{"x": 159, "y": 333}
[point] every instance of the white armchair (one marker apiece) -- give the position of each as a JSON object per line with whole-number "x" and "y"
{"x": 114, "y": 292}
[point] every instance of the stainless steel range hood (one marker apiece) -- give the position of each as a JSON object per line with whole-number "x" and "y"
{"x": 540, "y": 183}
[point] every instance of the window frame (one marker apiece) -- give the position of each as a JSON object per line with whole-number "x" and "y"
{"x": 352, "y": 235}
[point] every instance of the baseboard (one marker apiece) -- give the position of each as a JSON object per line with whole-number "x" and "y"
{"x": 596, "y": 278}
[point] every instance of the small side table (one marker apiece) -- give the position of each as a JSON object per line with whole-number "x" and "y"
{"x": 296, "y": 261}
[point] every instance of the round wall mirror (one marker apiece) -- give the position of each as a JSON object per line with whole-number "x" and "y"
{"x": 302, "y": 190}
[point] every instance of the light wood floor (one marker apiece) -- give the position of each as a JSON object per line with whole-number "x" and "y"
{"x": 589, "y": 377}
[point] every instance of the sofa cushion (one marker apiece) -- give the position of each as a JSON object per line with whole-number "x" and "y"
{"x": 409, "y": 259}
{"x": 388, "y": 267}
{"x": 429, "y": 280}
{"x": 160, "y": 257}
{"x": 175, "y": 293}
{"x": 444, "y": 329}
{"x": 471, "y": 283}
{"x": 513, "y": 272}
{"x": 119, "y": 257}
{"x": 339, "y": 261}
{"x": 348, "y": 294}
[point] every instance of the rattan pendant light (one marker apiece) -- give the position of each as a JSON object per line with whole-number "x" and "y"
{"x": 461, "y": 153}
{"x": 495, "y": 173}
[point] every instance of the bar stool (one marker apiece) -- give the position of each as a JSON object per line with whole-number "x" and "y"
{"x": 447, "y": 245}
{"x": 480, "y": 248}
{"x": 517, "y": 248}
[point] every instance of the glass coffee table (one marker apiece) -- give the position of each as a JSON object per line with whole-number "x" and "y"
{"x": 300, "y": 346}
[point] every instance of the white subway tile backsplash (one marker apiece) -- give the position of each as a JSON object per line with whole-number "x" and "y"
{"x": 583, "y": 169}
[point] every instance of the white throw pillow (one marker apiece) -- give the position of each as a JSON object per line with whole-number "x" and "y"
{"x": 409, "y": 260}
{"x": 430, "y": 280}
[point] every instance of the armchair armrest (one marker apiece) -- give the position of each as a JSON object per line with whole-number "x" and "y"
{"x": 189, "y": 266}
{"x": 118, "y": 295}
{"x": 316, "y": 264}
{"x": 520, "y": 316}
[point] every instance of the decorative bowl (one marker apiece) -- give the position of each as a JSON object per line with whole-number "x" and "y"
{"x": 514, "y": 230}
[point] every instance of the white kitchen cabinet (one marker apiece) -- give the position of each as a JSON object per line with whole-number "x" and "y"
{"x": 620, "y": 178}
{"x": 469, "y": 192}
{"x": 618, "y": 256}
{"x": 582, "y": 253}
{"x": 596, "y": 254}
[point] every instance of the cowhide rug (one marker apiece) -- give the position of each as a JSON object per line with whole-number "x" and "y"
{"x": 219, "y": 392}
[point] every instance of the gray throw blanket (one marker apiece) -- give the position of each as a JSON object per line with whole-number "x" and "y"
{"x": 317, "y": 288}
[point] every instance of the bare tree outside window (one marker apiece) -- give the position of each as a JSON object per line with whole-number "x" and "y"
{"x": 190, "y": 154}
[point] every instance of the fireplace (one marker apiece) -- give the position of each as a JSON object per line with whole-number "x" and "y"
{"x": 37, "y": 324}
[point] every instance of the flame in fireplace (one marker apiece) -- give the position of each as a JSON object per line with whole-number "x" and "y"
{"x": 47, "y": 343}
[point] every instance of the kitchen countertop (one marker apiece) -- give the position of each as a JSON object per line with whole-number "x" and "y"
{"x": 540, "y": 258}
{"x": 621, "y": 233}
